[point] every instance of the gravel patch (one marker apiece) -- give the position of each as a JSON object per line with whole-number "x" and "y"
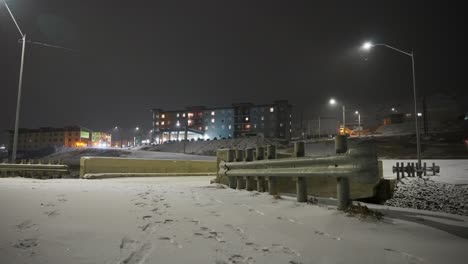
{"x": 425, "y": 194}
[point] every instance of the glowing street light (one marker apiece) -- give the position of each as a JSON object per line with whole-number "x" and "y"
{"x": 332, "y": 101}
{"x": 367, "y": 46}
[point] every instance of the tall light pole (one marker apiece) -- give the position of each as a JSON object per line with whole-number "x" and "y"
{"x": 370, "y": 45}
{"x": 333, "y": 102}
{"x": 20, "y": 82}
{"x": 359, "y": 122}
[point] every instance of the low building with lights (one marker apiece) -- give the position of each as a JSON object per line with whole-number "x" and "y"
{"x": 238, "y": 120}
{"x": 71, "y": 136}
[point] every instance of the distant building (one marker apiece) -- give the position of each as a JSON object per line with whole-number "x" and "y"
{"x": 72, "y": 136}
{"x": 246, "y": 119}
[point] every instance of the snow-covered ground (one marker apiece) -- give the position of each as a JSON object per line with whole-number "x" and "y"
{"x": 187, "y": 220}
{"x": 453, "y": 171}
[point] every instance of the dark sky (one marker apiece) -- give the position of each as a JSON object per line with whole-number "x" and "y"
{"x": 138, "y": 55}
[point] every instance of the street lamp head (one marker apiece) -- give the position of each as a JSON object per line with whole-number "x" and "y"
{"x": 137, "y": 128}
{"x": 357, "y": 112}
{"x": 332, "y": 101}
{"x": 116, "y": 128}
{"x": 367, "y": 45}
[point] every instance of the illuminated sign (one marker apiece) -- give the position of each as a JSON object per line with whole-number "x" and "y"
{"x": 84, "y": 134}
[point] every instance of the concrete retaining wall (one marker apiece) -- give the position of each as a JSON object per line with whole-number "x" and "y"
{"x": 97, "y": 165}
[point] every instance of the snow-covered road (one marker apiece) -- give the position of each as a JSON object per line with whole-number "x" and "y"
{"x": 187, "y": 220}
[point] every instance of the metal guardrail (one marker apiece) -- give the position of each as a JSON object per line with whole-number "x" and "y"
{"x": 359, "y": 163}
{"x": 33, "y": 170}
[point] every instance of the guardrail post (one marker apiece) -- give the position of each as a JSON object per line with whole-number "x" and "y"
{"x": 301, "y": 182}
{"x": 342, "y": 193}
{"x": 271, "y": 152}
{"x": 249, "y": 156}
{"x": 239, "y": 158}
{"x": 272, "y": 181}
{"x": 341, "y": 144}
{"x": 260, "y": 155}
{"x": 231, "y": 156}
{"x": 299, "y": 149}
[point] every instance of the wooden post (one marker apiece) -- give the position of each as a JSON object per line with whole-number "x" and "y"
{"x": 425, "y": 169}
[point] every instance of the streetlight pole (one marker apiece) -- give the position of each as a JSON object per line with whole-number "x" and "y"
{"x": 18, "y": 103}
{"x": 368, "y": 46}
{"x": 344, "y": 119}
{"x": 20, "y": 83}
{"x": 333, "y": 102}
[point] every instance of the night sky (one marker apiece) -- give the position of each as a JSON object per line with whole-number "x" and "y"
{"x": 136, "y": 55}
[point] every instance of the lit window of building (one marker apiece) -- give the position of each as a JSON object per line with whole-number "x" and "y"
{"x": 206, "y": 127}
{"x": 212, "y": 120}
{"x": 178, "y": 123}
{"x": 263, "y": 118}
{"x": 281, "y": 124}
{"x": 157, "y": 123}
{"x": 255, "y": 125}
{"x": 212, "y": 113}
{"x": 230, "y": 127}
{"x": 246, "y": 118}
{"x": 177, "y": 114}
{"x": 183, "y": 115}
{"x": 190, "y": 115}
{"x": 163, "y": 116}
{"x": 272, "y": 109}
{"x": 162, "y": 123}
{"x": 247, "y": 126}
{"x": 189, "y": 122}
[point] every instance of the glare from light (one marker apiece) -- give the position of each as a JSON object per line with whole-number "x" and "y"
{"x": 367, "y": 45}
{"x": 419, "y": 114}
{"x": 332, "y": 101}
{"x": 357, "y": 112}
{"x": 137, "y": 128}
{"x": 393, "y": 109}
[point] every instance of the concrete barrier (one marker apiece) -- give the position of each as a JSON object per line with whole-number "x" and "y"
{"x": 108, "y": 166}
